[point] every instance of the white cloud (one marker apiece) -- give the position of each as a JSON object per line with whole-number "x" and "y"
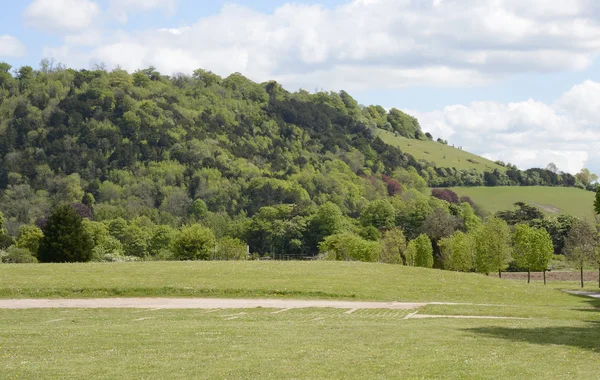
{"x": 364, "y": 43}
{"x": 527, "y": 134}
{"x": 10, "y": 46}
{"x": 61, "y": 16}
{"x": 121, "y": 8}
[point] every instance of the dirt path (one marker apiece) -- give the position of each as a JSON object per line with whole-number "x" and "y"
{"x": 198, "y": 303}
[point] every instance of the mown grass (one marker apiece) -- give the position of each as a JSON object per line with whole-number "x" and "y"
{"x": 560, "y": 337}
{"x": 440, "y": 155}
{"x": 299, "y": 344}
{"x": 254, "y": 279}
{"x": 551, "y": 200}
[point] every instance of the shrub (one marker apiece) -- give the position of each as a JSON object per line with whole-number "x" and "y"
{"x": 30, "y": 238}
{"x": 65, "y": 239}
{"x": 15, "y": 255}
{"x": 393, "y": 247}
{"x": 446, "y": 195}
{"x": 347, "y": 246}
{"x": 195, "y": 243}
{"x": 231, "y": 249}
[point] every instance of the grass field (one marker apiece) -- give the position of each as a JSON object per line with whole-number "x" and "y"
{"x": 441, "y": 155}
{"x": 551, "y": 200}
{"x": 259, "y": 279}
{"x": 560, "y": 337}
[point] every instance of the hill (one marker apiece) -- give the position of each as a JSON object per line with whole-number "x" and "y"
{"x": 551, "y": 200}
{"x": 440, "y": 155}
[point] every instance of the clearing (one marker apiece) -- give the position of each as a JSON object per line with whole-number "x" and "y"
{"x": 551, "y": 200}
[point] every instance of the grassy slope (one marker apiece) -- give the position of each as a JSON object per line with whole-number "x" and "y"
{"x": 561, "y": 340}
{"x": 551, "y": 200}
{"x": 360, "y": 281}
{"x": 439, "y": 154}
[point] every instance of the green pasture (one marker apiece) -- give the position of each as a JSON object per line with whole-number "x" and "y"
{"x": 441, "y": 155}
{"x": 551, "y": 200}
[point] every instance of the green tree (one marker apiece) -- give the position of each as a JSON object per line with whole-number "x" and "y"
{"x": 492, "y": 247}
{"x": 347, "y": 246}
{"x": 580, "y": 245}
{"x": 5, "y": 239}
{"x": 423, "y": 251}
{"x": 533, "y": 249}
{"x": 195, "y": 242}
{"x": 229, "y": 248}
{"x": 65, "y": 239}
{"x": 30, "y": 238}
{"x": 597, "y": 202}
{"x": 393, "y": 247}
{"x": 458, "y": 252}
{"x": 379, "y": 214}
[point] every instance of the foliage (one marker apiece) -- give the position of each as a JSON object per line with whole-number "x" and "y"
{"x": 65, "y": 239}
{"x": 581, "y": 243}
{"x": 597, "y": 202}
{"x": 194, "y": 242}
{"x": 393, "y": 247}
{"x": 422, "y": 251}
{"x": 446, "y": 195}
{"x": 523, "y": 213}
{"x": 533, "y": 249}
{"x": 29, "y": 238}
{"x": 231, "y": 249}
{"x": 16, "y": 255}
{"x": 379, "y": 214}
{"x": 459, "y": 252}
{"x": 492, "y": 246}
{"x": 347, "y": 246}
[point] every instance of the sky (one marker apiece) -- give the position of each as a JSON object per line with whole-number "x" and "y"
{"x": 511, "y": 80}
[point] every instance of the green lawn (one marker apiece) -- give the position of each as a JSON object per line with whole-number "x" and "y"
{"x": 441, "y": 155}
{"x": 318, "y": 279}
{"x": 559, "y": 339}
{"x": 300, "y": 344}
{"x": 551, "y": 200}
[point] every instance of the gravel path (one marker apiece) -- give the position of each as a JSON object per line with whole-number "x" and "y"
{"x": 198, "y": 303}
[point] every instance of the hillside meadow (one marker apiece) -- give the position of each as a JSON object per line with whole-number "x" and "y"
{"x": 438, "y": 154}
{"x": 551, "y": 200}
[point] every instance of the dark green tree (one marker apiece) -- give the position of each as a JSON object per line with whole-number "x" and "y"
{"x": 65, "y": 239}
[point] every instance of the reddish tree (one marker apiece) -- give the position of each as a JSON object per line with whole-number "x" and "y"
{"x": 393, "y": 187}
{"x": 445, "y": 195}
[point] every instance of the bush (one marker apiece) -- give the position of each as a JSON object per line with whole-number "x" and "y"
{"x": 231, "y": 249}
{"x": 16, "y": 255}
{"x": 194, "y": 243}
{"x": 422, "y": 251}
{"x": 30, "y": 238}
{"x": 347, "y": 246}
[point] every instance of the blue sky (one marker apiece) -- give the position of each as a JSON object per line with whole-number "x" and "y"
{"x": 515, "y": 80}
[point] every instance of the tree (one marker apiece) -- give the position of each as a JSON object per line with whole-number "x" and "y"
{"x": 523, "y": 213}
{"x": 393, "y": 247}
{"x": 533, "y": 249}
{"x": 458, "y": 252}
{"x": 580, "y": 245}
{"x": 597, "y": 202}
{"x": 195, "y": 243}
{"x": 596, "y": 259}
{"x": 423, "y": 251}
{"x": 492, "y": 247}
{"x": 65, "y": 239}
{"x": 552, "y": 167}
{"x": 231, "y": 249}
{"x": 379, "y": 214}
{"x": 30, "y": 238}
{"x": 349, "y": 247}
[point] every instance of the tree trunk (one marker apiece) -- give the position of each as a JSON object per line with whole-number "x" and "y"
{"x": 528, "y": 276}
{"x": 544, "y": 277}
{"x": 581, "y": 267}
{"x": 499, "y": 273}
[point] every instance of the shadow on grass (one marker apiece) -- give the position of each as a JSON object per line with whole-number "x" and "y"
{"x": 586, "y": 337}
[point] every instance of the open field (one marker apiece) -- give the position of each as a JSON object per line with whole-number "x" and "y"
{"x": 443, "y": 156}
{"x": 260, "y": 279}
{"x": 551, "y": 200}
{"x": 546, "y": 334}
